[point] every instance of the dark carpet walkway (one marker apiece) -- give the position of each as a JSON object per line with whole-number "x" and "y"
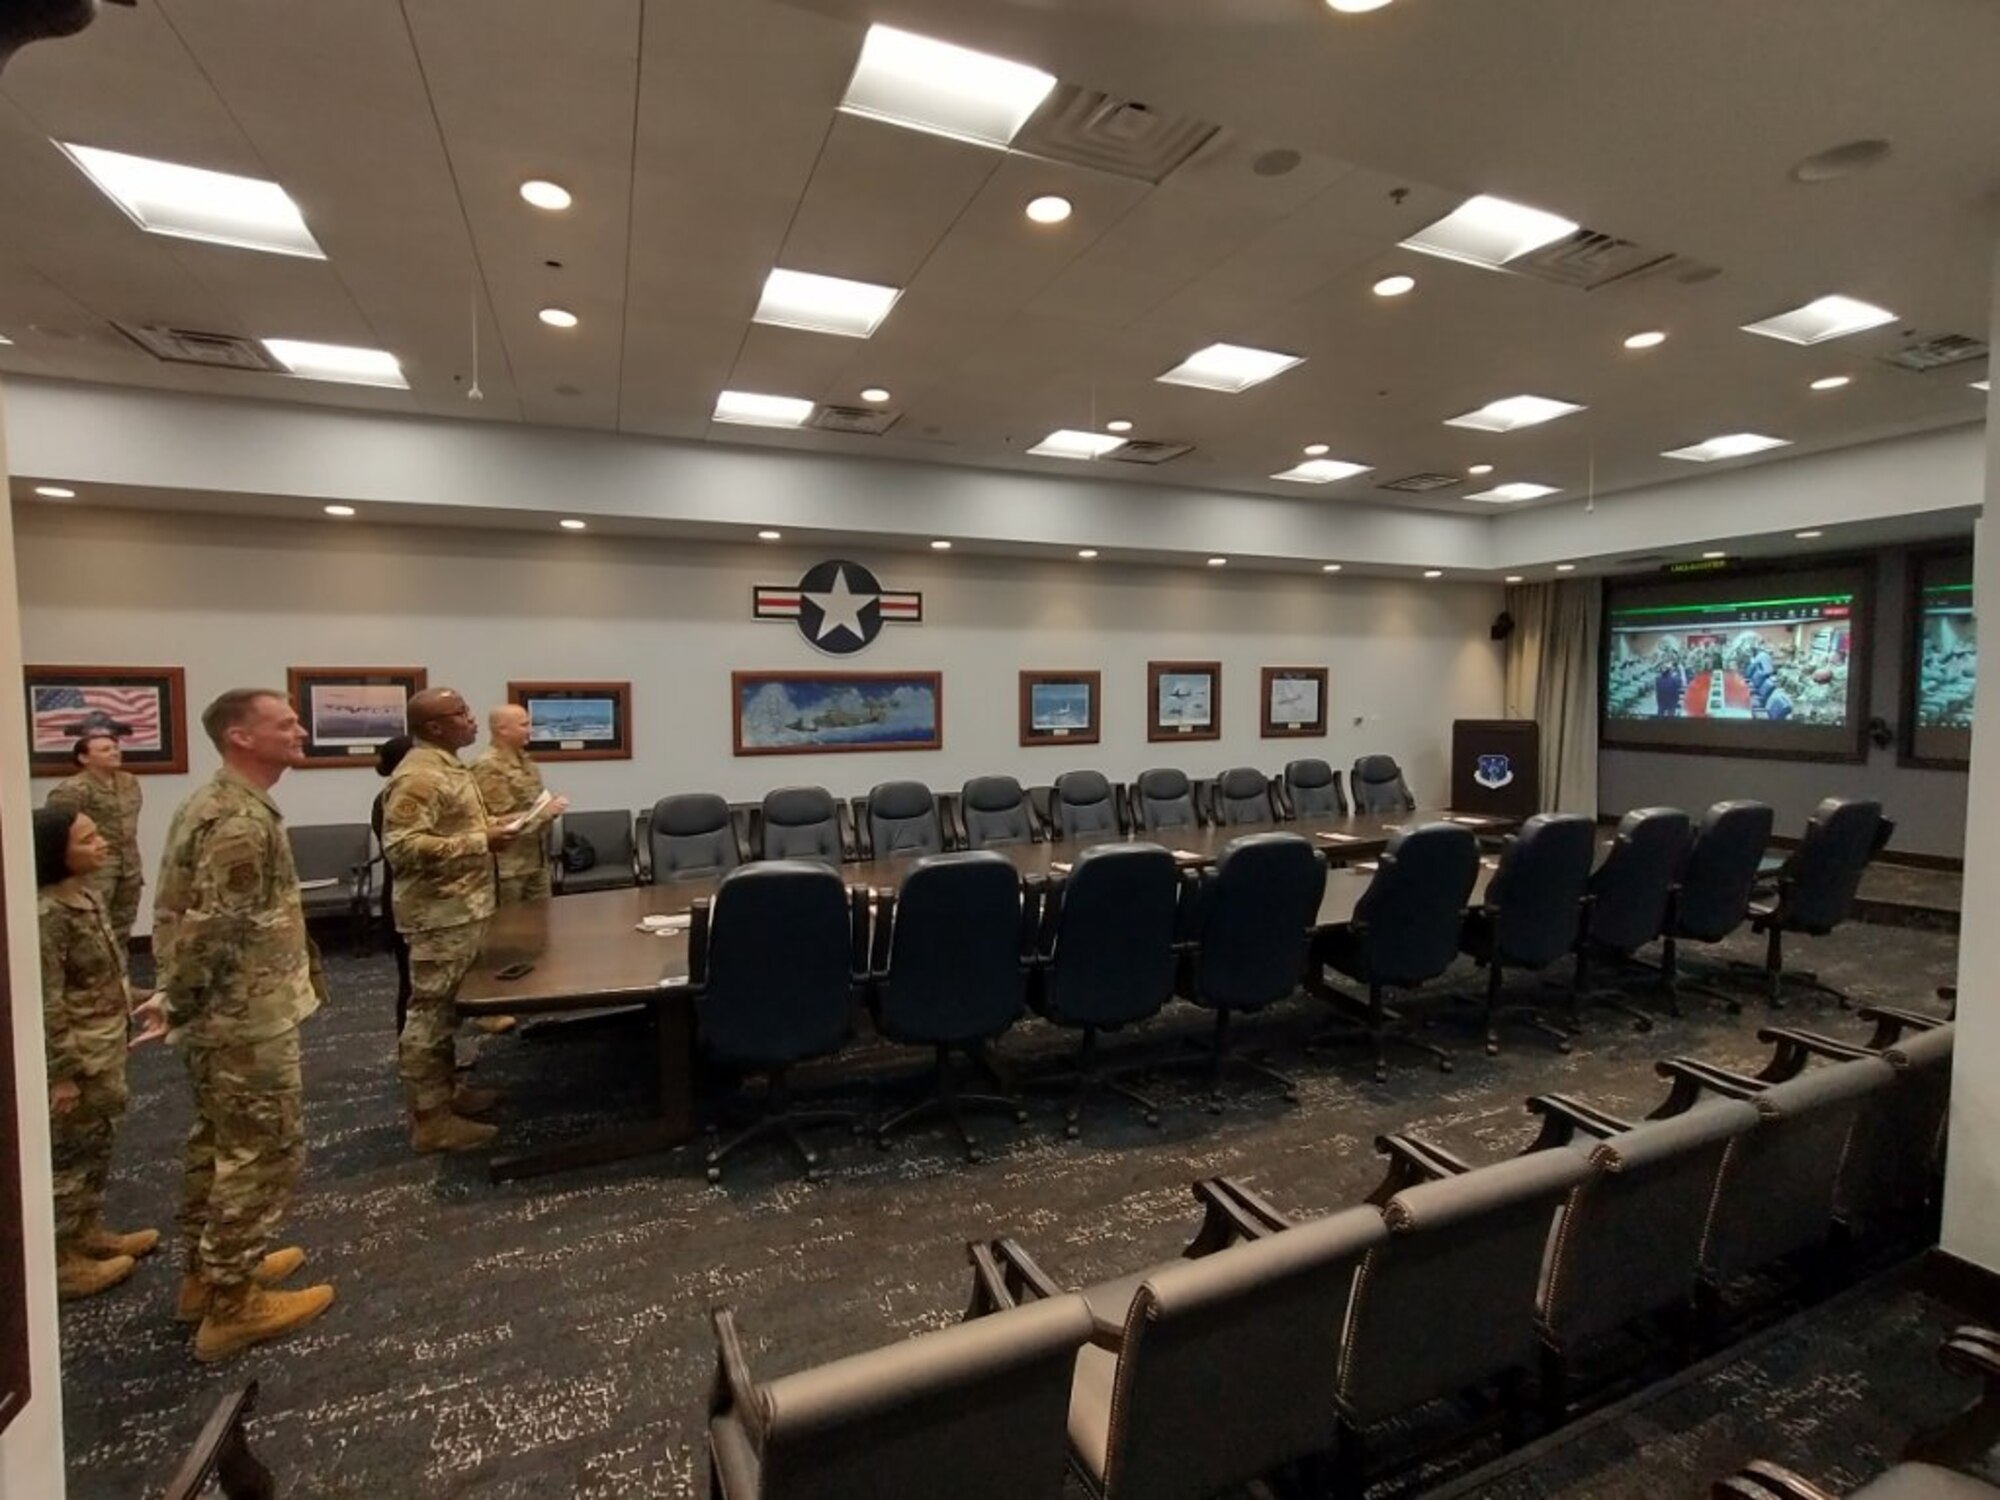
{"x": 550, "y": 1338}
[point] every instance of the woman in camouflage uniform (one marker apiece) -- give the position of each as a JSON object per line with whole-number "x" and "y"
{"x": 85, "y": 1006}
{"x": 110, "y": 795}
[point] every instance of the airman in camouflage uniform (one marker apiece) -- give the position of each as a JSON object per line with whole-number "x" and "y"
{"x": 238, "y": 975}
{"x": 85, "y": 1003}
{"x": 439, "y": 842}
{"x": 509, "y": 782}
{"x": 110, "y": 796}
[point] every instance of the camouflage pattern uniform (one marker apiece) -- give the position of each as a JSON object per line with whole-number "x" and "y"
{"x": 113, "y": 805}
{"x": 434, "y": 837}
{"x": 240, "y": 974}
{"x": 509, "y": 783}
{"x": 84, "y": 1009}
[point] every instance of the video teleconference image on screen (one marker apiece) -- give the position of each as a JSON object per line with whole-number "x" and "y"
{"x": 1760, "y": 664}
{"x": 1946, "y": 644}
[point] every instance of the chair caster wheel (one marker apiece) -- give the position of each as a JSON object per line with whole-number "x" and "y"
{"x": 1291, "y": 1096}
{"x": 1564, "y": 1045}
{"x": 1070, "y": 1130}
{"x": 815, "y": 1174}
{"x": 1642, "y": 1026}
{"x": 1492, "y": 1049}
{"x": 1020, "y": 1117}
{"x": 1153, "y": 1119}
{"x": 1214, "y": 1107}
{"x": 881, "y": 1143}
{"x": 1445, "y": 1064}
{"x": 714, "y": 1175}
{"x": 975, "y": 1155}
{"x": 1381, "y": 1073}
{"x": 811, "y": 1159}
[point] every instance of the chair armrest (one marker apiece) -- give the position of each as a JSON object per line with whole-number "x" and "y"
{"x": 1763, "y": 1480}
{"x": 885, "y": 919}
{"x": 701, "y": 914}
{"x": 1972, "y": 1351}
{"x": 1034, "y": 895}
{"x": 1004, "y": 1276}
{"x": 1792, "y": 1049}
{"x": 1225, "y": 1221}
{"x": 222, "y": 1451}
{"x": 1563, "y": 1117}
{"x": 1689, "y": 1077}
{"x": 642, "y": 845}
{"x": 1411, "y": 1162}
{"x": 857, "y": 923}
{"x": 989, "y": 1284}
{"x": 1890, "y": 1022}
{"x": 732, "y": 1388}
{"x": 1258, "y": 1206}
{"x": 1188, "y": 908}
{"x": 1052, "y": 902}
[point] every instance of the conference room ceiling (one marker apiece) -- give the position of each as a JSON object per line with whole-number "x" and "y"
{"x": 703, "y": 145}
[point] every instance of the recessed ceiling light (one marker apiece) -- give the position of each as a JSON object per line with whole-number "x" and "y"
{"x": 1713, "y": 556}
{"x": 1565, "y": 567}
{"x": 191, "y": 203}
{"x": 770, "y": 536}
{"x": 1489, "y": 232}
{"x": 1823, "y": 319}
{"x": 1433, "y": 572}
{"x": 1519, "y": 489}
{"x": 557, "y": 317}
{"x": 1729, "y": 445}
{"x": 1086, "y": 553}
{"x": 875, "y": 394}
{"x": 1230, "y": 368}
{"x": 571, "y": 523}
{"x": 1356, "y": 7}
{"x": 1807, "y": 536}
{"x": 1118, "y": 424}
{"x": 940, "y": 545}
{"x": 4, "y": 341}
{"x": 1477, "y": 469}
{"x": 1982, "y": 385}
{"x": 1841, "y": 160}
{"x": 824, "y": 304}
{"x": 1652, "y": 338}
{"x": 1515, "y": 578}
{"x": 1512, "y": 413}
{"x": 1831, "y": 382}
{"x": 1068, "y": 442}
{"x": 1049, "y": 209}
{"x": 1317, "y": 450}
{"x": 1218, "y": 562}
{"x": 552, "y": 196}
{"x": 1329, "y": 567}
{"x": 342, "y": 512}
{"x": 54, "y": 492}
{"x": 341, "y": 363}
{"x": 923, "y": 84}
{"x": 1395, "y": 286}
{"x": 754, "y": 410}
{"x": 1321, "y": 471}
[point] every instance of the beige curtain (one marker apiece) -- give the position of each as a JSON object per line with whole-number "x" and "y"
{"x": 1552, "y": 679}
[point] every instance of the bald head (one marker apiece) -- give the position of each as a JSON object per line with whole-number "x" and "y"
{"x": 438, "y": 716}
{"x": 508, "y": 726}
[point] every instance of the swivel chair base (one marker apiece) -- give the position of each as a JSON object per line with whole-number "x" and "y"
{"x": 1373, "y": 1022}
{"x": 945, "y": 1100}
{"x": 1774, "y": 976}
{"x": 1527, "y": 1015}
{"x": 1086, "y": 1078}
{"x": 779, "y": 1118}
{"x": 1215, "y": 1055}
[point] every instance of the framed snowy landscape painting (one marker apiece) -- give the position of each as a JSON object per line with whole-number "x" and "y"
{"x": 811, "y": 713}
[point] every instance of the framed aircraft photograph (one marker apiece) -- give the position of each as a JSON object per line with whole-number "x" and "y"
{"x": 805, "y": 713}
{"x": 576, "y": 720}
{"x": 348, "y": 711}
{"x": 1183, "y": 700}
{"x": 1294, "y": 700}
{"x": 1060, "y": 708}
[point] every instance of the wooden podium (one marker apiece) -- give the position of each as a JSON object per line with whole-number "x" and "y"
{"x": 1496, "y": 767}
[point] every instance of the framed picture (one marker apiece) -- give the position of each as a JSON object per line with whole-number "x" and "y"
{"x": 348, "y": 711}
{"x": 1060, "y": 708}
{"x": 1294, "y": 702}
{"x": 576, "y": 720}
{"x": 1183, "y": 700}
{"x": 145, "y": 707}
{"x": 811, "y": 713}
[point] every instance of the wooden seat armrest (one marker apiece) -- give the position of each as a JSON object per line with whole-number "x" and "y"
{"x": 857, "y": 927}
{"x": 1563, "y": 1117}
{"x": 1689, "y": 1077}
{"x": 989, "y": 1283}
{"x": 1225, "y": 1221}
{"x": 1019, "y": 1278}
{"x": 1890, "y": 1022}
{"x": 1768, "y": 1481}
{"x": 1792, "y": 1049}
{"x": 1034, "y": 900}
{"x": 1972, "y": 1351}
{"x": 733, "y": 1389}
{"x": 1259, "y": 1207}
{"x": 885, "y": 920}
{"x": 222, "y": 1452}
{"x": 1412, "y": 1162}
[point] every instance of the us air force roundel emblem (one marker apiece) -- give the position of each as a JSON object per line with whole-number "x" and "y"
{"x": 838, "y": 605}
{"x": 1495, "y": 771}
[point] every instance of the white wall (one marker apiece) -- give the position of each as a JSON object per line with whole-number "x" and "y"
{"x": 237, "y": 602}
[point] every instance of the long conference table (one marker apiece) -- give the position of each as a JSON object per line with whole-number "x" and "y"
{"x": 597, "y": 950}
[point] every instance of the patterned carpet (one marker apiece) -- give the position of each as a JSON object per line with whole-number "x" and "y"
{"x": 550, "y": 1338}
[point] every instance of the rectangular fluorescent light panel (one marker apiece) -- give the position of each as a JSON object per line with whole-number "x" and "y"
{"x": 761, "y": 411}
{"x": 1229, "y": 367}
{"x": 1519, "y": 489}
{"x": 1513, "y": 412}
{"x": 192, "y": 203}
{"x": 1489, "y": 232}
{"x": 1322, "y": 471}
{"x": 1729, "y": 445}
{"x": 929, "y": 85}
{"x": 1827, "y": 318}
{"x": 1067, "y": 442}
{"x": 824, "y": 304}
{"x": 342, "y": 363}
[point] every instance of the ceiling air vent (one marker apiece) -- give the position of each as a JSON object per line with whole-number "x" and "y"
{"x": 1108, "y": 134}
{"x": 868, "y": 421}
{"x": 1588, "y": 260}
{"x": 1417, "y": 484}
{"x": 185, "y": 346}
{"x": 1936, "y": 353}
{"x": 1647, "y": 560}
{"x": 1141, "y": 451}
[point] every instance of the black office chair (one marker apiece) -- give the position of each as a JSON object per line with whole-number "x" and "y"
{"x": 336, "y": 869}
{"x": 1714, "y": 895}
{"x": 1533, "y": 913}
{"x": 950, "y": 973}
{"x": 994, "y": 811}
{"x": 1311, "y": 789}
{"x": 1252, "y": 925}
{"x": 774, "y": 960}
{"x": 691, "y": 837}
{"x": 1242, "y": 795}
{"x": 1404, "y": 933}
{"x": 1083, "y": 802}
{"x": 607, "y": 839}
{"x": 1630, "y": 897}
{"x": 1106, "y": 956}
{"x": 1816, "y": 886}
{"x": 801, "y": 822}
{"x": 1379, "y": 786}
{"x": 901, "y": 817}
{"x": 1163, "y": 800}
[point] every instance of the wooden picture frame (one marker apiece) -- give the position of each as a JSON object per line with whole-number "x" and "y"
{"x": 834, "y": 713}
{"x": 349, "y": 711}
{"x": 1180, "y": 704}
{"x": 576, "y": 720}
{"x": 146, "y": 707}
{"x": 1287, "y": 696}
{"x": 1061, "y": 708}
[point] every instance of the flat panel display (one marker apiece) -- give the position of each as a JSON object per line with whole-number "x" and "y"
{"x": 1940, "y": 671}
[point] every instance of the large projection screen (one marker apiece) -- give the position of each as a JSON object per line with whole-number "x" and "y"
{"x": 1940, "y": 662}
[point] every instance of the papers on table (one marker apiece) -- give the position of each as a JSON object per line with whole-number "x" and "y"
{"x": 324, "y": 883}
{"x": 1187, "y": 856}
{"x": 1059, "y": 867}
{"x": 1367, "y": 864}
{"x": 665, "y": 926}
{"x": 529, "y": 816}
{"x": 1340, "y": 838}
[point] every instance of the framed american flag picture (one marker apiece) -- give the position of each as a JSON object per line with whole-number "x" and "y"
{"x": 145, "y": 707}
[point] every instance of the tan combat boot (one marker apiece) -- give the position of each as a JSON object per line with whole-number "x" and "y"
{"x": 495, "y": 1025}
{"x": 441, "y": 1130}
{"x": 272, "y": 1269}
{"x": 239, "y": 1316}
{"x": 80, "y": 1275}
{"x": 107, "y": 1244}
{"x": 469, "y": 1100}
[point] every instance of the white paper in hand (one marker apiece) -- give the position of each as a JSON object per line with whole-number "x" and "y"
{"x": 529, "y": 816}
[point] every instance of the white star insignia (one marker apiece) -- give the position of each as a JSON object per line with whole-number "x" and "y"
{"x": 840, "y": 608}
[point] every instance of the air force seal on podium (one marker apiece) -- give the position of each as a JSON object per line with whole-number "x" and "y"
{"x": 1495, "y": 771}
{"x": 839, "y": 606}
